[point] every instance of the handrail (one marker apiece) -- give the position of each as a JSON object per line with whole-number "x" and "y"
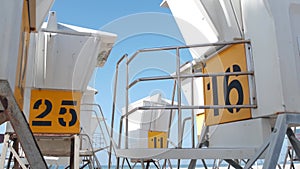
{"x": 189, "y": 76}
{"x": 89, "y": 139}
{"x": 93, "y": 150}
{"x": 98, "y": 121}
{"x": 174, "y": 108}
{"x": 187, "y": 46}
{"x": 114, "y": 107}
{"x": 244, "y": 106}
{"x": 177, "y": 78}
{"x": 100, "y": 110}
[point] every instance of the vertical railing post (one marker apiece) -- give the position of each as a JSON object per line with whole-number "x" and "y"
{"x": 114, "y": 109}
{"x": 127, "y": 104}
{"x": 178, "y": 97}
{"x": 171, "y": 111}
{"x": 193, "y": 110}
{"x": 113, "y": 117}
{"x": 179, "y": 102}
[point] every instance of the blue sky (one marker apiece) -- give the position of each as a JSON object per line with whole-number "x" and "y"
{"x": 139, "y": 24}
{"x": 96, "y": 13}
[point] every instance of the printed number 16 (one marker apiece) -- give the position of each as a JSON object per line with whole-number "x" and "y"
{"x": 234, "y": 84}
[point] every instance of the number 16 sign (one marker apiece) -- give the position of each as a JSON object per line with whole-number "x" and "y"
{"x": 54, "y": 111}
{"x": 227, "y": 90}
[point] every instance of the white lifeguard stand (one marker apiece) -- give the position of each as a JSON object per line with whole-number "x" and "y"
{"x": 148, "y": 128}
{"x": 247, "y": 55}
{"x": 58, "y": 103}
{"x": 18, "y": 20}
{"x": 272, "y": 29}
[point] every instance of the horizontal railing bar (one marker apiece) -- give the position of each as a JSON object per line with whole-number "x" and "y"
{"x": 64, "y": 32}
{"x": 188, "y": 107}
{"x": 189, "y": 76}
{"x": 187, "y": 153}
{"x": 196, "y": 107}
{"x": 176, "y": 107}
{"x": 186, "y": 46}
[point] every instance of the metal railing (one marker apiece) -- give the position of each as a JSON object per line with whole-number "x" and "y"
{"x": 178, "y": 77}
{"x": 112, "y": 146}
{"x": 99, "y": 122}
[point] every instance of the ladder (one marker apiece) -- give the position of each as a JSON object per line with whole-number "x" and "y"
{"x": 9, "y": 111}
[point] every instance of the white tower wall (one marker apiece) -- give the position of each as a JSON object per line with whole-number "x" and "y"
{"x": 10, "y": 21}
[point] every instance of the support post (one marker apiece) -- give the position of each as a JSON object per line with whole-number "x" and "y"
{"x": 16, "y": 153}
{"x": 233, "y": 163}
{"x": 276, "y": 141}
{"x": 257, "y": 154}
{"x": 294, "y": 141}
{"x": 74, "y": 155}
{"x": 4, "y": 151}
{"x": 142, "y": 164}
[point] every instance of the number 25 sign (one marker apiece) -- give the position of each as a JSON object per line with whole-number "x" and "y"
{"x": 54, "y": 111}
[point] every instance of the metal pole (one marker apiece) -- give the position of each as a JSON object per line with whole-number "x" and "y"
{"x": 249, "y": 73}
{"x": 119, "y": 143}
{"x": 127, "y": 104}
{"x": 142, "y": 163}
{"x": 9, "y": 160}
{"x": 276, "y": 141}
{"x": 193, "y": 111}
{"x": 4, "y": 150}
{"x": 183, "y": 125}
{"x": 187, "y": 46}
{"x": 15, "y": 147}
{"x": 190, "y": 107}
{"x": 170, "y": 121}
{"x": 294, "y": 141}
{"x": 114, "y": 109}
{"x": 76, "y": 151}
{"x": 67, "y": 32}
{"x": 178, "y": 97}
{"x": 71, "y": 161}
{"x": 179, "y": 101}
{"x": 171, "y": 111}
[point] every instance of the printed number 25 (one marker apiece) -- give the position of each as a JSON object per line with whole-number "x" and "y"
{"x": 47, "y": 111}
{"x": 63, "y": 111}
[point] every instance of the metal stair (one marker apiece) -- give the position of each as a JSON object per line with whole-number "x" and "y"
{"x": 12, "y": 113}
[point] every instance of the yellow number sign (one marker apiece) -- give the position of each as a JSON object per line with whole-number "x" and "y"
{"x": 157, "y": 139}
{"x": 54, "y": 111}
{"x": 228, "y": 90}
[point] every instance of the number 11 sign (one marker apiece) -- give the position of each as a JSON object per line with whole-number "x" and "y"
{"x": 227, "y": 90}
{"x": 54, "y": 111}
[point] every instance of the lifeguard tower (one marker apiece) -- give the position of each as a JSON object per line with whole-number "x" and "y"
{"x": 44, "y": 87}
{"x": 243, "y": 82}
